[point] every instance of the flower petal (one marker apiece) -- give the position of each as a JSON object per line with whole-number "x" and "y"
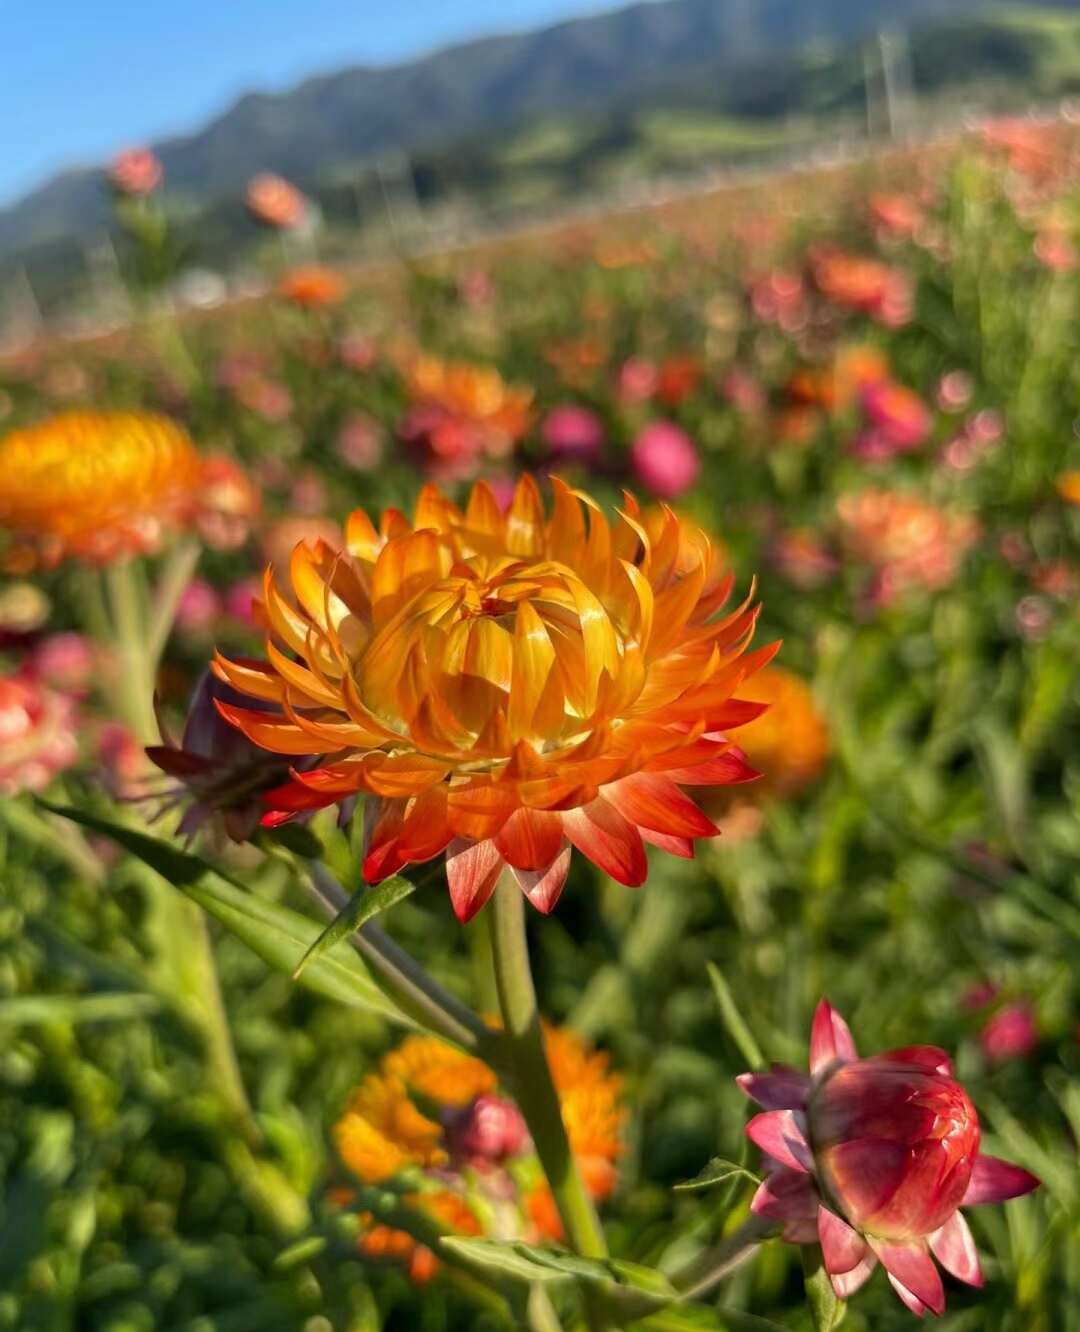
{"x": 842, "y": 1248}
{"x": 830, "y": 1038}
{"x": 780, "y": 1134}
{"x": 954, "y": 1248}
{"x": 472, "y": 871}
{"x": 544, "y": 887}
{"x": 601, "y": 833}
{"x": 913, "y": 1267}
{"x": 994, "y": 1180}
{"x": 786, "y": 1195}
{"x": 782, "y": 1088}
{"x": 912, "y": 1301}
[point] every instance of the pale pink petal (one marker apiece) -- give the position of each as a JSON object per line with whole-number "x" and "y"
{"x": 544, "y": 887}
{"x": 472, "y": 871}
{"x": 913, "y": 1267}
{"x": 994, "y": 1180}
{"x": 842, "y": 1248}
{"x": 800, "y": 1232}
{"x": 786, "y": 1195}
{"x": 912, "y": 1301}
{"x": 830, "y": 1038}
{"x": 954, "y": 1248}
{"x": 845, "y": 1284}
{"x": 780, "y": 1134}
{"x": 782, "y": 1088}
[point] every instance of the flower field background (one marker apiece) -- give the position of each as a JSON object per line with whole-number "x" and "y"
{"x": 864, "y": 384}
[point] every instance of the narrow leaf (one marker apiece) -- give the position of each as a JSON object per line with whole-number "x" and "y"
{"x": 361, "y": 907}
{"x": 530, "y": 1262}
{"x": 277, "y": 934}
{"x": 737, "y": 1029}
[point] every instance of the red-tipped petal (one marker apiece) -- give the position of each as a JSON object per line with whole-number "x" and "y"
{"x": 994, "y": 1180}
{"x": 600, "y": 832}
{"x": 472, "y": 871}
{"x": 786, "y": 1195}
{"x": 782, "y": 1088}
{"x": 954, "y": 1248}
{"x": 544, "y": 887}
{"x": 780, "y": 1135}
{"x": 830, "y": 1038}
{"x": 913, "y": 1267}
{"x": 530, "y": 839}
{"x": 675, "y": 846}
{"x": 652, "y": 800}
{"x": 842, "y": 1248}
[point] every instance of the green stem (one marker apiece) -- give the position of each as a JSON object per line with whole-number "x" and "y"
{"x": 531, "y": 1079}
{"x": 417, "y": 993}
{"x": 133, "y": 688}
{"x": 176, "y": 575}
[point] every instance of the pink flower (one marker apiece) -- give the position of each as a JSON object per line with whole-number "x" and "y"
{"x": 239, "y": 600}
{"x": 66, "y": 661}
{"x": 897, "y": 421}
{"x": 637, "y": 380}
{"x": 872, "y": 1159}
{"x": 1011, "y": 1033}
{"x": 664, "y": 460}
{"x": 199, "y": 607}
{"x": 573, "y": 433}
{"x": 360, "y": 443}
{"x": 37, "y": 734}
{"x": 135, "y": 172}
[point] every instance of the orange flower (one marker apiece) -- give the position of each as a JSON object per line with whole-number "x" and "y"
{"x": 1068, "y": 487}
{"x": 790, "y": 742}
{"x": 451, "y": 396}
{"x": 95, "y": 485}
{"x": 275, "y": 202}
{"x": 313, "y": 286}
{"x": 908, "y": 541}
{"x": 508, "y": 686}
{"x": 383, "y": 1131}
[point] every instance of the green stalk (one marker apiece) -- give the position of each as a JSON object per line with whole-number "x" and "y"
{"x": 133, "y": 691}
{"x": 177, "y": 573}
{"x": 531, "y": 1080}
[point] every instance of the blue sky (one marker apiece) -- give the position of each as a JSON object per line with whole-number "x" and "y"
{"x": 82, "y": 78}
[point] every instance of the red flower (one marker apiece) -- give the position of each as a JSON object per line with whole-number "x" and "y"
{"x": 872, "y": 1159}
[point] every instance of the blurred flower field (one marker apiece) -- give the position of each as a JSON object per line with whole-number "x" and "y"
{"x": 859, "y": 389}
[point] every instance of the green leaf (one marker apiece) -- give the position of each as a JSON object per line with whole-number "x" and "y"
{"x": 826, "y": 1309}
{"x": 24, "y": 1009}
{"x": 739, "y": 1032}
{"x": 277, "y": 934}
{"x": 530, "y": 1262}
{"x": 718, "y": 1171}
{"x": 360, "y": 908}
{"x": 294, "y": 837}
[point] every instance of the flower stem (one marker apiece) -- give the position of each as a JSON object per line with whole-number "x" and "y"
{"x": 133, "y": 690}
{"x": 175, "y": 576}
{"x": 531, "y": 1079}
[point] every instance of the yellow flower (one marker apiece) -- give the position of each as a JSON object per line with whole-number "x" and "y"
{"x": 95, "y": 485}
{"x": 508, "y": 685}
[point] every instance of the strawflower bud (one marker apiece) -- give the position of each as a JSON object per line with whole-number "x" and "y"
{"x": 872, "y": 1159}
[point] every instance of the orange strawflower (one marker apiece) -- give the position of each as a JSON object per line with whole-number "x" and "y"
{"x": 95, "y": 485}
{"x": 507, "y": 685}
{"x": 789, "y": 742}
{"x": 469, "y": 1144}
{"x": 907, "y": 541}
{"x": 312, "y": 286}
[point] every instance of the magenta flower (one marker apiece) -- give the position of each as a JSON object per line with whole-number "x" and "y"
{"x": 573, "y": 433}
{"x": 1011, "y": 1033}
{"x": 665, "y": 460}
{"x": 872, "y": 1159}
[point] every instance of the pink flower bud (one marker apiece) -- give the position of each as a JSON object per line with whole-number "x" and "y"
{"x": 872, "y": 1159}
{"x": 1011, "y": 1033}
{"x": 573, "y": 433}
{"x": 489, "y": 1131}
